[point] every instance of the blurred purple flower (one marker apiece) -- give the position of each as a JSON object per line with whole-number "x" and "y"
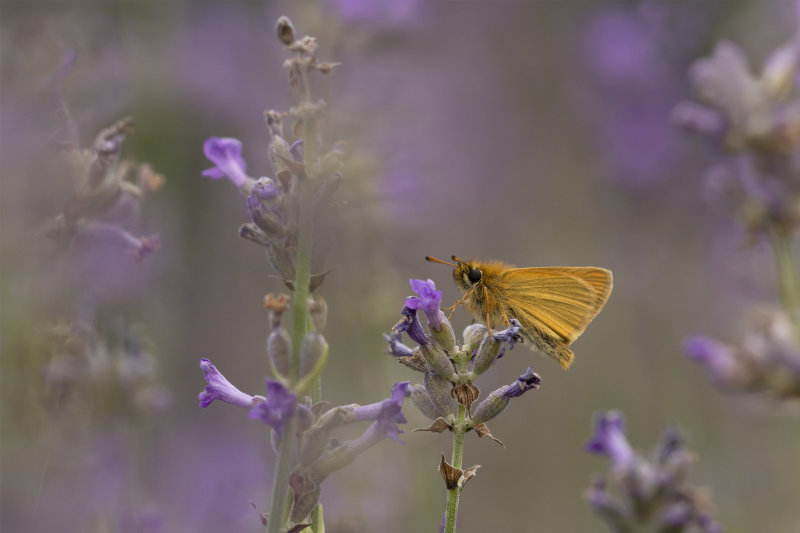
{"x": 226, "y": 154}
{"x": 219, "y": 388}
{"x": 386, "y": 415}
{"x": 382, "y": 11}
{"x": 609, "y": 439}
{"x": 632, "y": 95}
{"x": 427, "y": 301}
{"x": 276, "y": 409}
{"x": 716, "y": 357}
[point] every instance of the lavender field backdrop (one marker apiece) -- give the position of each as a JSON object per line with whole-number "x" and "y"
{"x": 537, "y": 133}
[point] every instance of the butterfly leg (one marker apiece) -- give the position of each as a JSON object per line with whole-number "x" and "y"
{"x": 505, "y": 316}
{"x": 453, "y": 307}
{"x": 485, "y": 303}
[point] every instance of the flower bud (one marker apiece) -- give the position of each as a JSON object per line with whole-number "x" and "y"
{"x": 494, "y": 404}
{"x": 438, "y": 360}
{"x": 438, "y": 389}
{"x": 278, "y": 153}
{"x": 313, "y": 353}
{"x": 423, "y": 402}
{"x": 487, "y": 352}
{"x": 318, "y": 310}
{"x": 473, "y": 335}
{"x": 281, "y": 260}
{"x": 279, "y": 346}
{"x": 444, "y": 336}
{"x": 285, "y": 30}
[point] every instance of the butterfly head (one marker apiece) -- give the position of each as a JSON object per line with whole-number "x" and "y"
{"x": 466, "y": 274}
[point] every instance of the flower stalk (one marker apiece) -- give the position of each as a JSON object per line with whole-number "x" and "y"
{"x": 456, "y": 459}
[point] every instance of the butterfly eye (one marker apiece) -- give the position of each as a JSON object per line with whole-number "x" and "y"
{"x": 474, "y": 275}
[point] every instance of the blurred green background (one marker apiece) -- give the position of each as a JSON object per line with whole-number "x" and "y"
{"x": 537, "y": 133}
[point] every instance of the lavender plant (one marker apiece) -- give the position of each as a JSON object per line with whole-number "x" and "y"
{"x": 754, "y": 123}
{"x": 100, "y": 366}
{"x": 287, "y": 217}
{"x": 654, "y": 494}
{"x": 448, "y": 393}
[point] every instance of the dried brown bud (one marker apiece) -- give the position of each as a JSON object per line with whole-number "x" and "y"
{"x": 306, "y": 45}
{"x": 285, "y": 30}
{"x": 469, "y": 473}
{"x": 465, "y": 394}
{"x": 306, "y": 496}
{"x": 482, "y": 430}
{"x": 276, "y": 304}
{"x": 414, "y": 362}
{"x": 439, "y": 425}
{"x": 325, "y": 68}
{"x": 450, "y": 474}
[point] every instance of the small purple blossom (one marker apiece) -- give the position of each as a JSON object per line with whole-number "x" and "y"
{"x": 396, "y": 346}
{"x": 718, "y": 358}
{"x": 296, "y": 149}
{"x": 226, "y": 154}
{"x": 219, "y": 388}
{"x": 609, "y": 439}
{"x": 510, "y": 335}
{"x": 386, "y": 413}
{"x": 527, "y": 381}
{"x": 428, "y": 301}
{"x": 276, "y": 409}
{"x": 410, "y": 324}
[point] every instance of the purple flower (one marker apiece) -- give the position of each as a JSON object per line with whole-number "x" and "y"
{"x": 386, "y": 414}
{"x": 609, "y": 439}
{"x": 219, "y": 388}
{"x": 226, "y": 154}
{"x": 410, "y": 324}
{"x": 510, "y": 335}
{"x": 497, "y": 400}
{"x": 276, "y": 409}
{"x": 428, "y": 301}
{"x": 396, "y": 347}
{"x": 527, "y": 381}
{"x": 718, "y": 358}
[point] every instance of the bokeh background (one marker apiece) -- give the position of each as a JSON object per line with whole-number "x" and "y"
{"x": 538, "y": 133}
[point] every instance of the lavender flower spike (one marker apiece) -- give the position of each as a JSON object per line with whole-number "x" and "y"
{"x": 428, "y": 301}
{"x": 226, "y": 154}
{"x": 386, "y": 414}
{"x": 609, "y": 439}
{"x": 221, "y": 389}
{"x": 277, "y": 408}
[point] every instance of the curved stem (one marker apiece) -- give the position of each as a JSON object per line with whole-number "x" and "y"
{"x": 456, "y": 461}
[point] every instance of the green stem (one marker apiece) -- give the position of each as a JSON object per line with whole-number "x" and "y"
{"x": 787, "y": 275}
{"x": 279, "y": 505}
{"x": 456, "y": 461}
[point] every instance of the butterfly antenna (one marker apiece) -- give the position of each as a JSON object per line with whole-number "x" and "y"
{"x": 435, "y": 260}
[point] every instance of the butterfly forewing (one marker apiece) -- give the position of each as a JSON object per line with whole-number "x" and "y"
{"x": 564, "y": 300}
